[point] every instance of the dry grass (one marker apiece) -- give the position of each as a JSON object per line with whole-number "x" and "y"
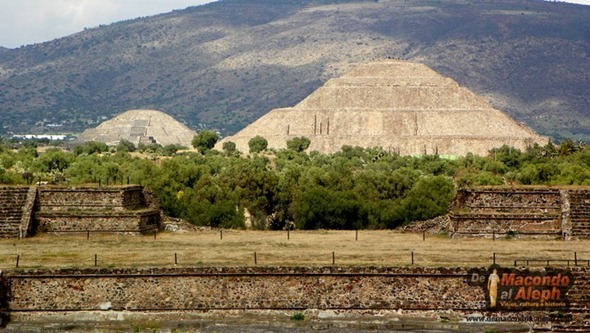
{"x": 303, "y": 248}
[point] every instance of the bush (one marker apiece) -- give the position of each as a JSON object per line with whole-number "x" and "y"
{"x": 257, "y": 144}
{"x": 298, "y": 144}
{"x": 205, "y": 140}
{"x": 298, "y": 317}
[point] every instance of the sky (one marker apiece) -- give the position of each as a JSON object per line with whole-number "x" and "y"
{"x": 24, "y": 22}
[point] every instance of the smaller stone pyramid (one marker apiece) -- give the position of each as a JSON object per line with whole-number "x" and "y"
{"x": 140, "y": 126}
{"x": 397, "y": 105}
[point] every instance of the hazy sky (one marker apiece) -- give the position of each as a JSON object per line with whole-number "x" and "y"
{"x": 25, "y": 22}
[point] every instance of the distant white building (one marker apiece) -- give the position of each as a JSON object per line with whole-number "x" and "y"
{"x": 53, "y": 137}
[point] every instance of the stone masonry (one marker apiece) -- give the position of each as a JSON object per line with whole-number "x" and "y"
{"x": 398, "y": 105}
{"x": 525, "y": 211}
{"x": 270, "y": 288}
{"x": 26, "y": 210}
{"x": 112, "y": 209}
{"x": 16, "y": 204}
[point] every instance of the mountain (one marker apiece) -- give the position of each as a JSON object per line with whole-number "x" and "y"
{"x": 225, "y": 64}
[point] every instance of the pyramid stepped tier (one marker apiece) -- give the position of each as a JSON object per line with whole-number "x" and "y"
{"x": 527, "y": 211}
{"x": 140, "y": 126}
{"x": 396, "y": 105}
{"x": 58, "y": 209}
{"x": 125, "y": 208}
{"x": 580, "y": 213}
{"x": 13, "y": 200}
{"x": 523, "y": 211}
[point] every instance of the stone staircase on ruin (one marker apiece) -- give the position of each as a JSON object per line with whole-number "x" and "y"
{"x": 13, "y": 201}
{"x": 580, "y": 213}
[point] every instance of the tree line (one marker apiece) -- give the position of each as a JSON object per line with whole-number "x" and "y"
{"x": 354, "y": 188}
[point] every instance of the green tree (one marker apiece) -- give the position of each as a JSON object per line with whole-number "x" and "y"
{"x": 54, "y": 160}
{"x": 126, "y": 146}
{"x": 257, "y": 144}
{"x": 430, "y": 197}
{"x": 320, "y": 208}
{"x": 298, "y": 144}
{"x": 205, "y": 140}
{"x": 91, "y": 147}
{"x": 229, "y": 148}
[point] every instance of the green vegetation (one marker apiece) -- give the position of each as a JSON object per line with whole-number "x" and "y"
{"x": 298, "y": 144}
{"x": 257, "y": 144}
{"x": 205, "y": 140}
{"x": 298, "y": 317}
{"x": 355, "y": 188}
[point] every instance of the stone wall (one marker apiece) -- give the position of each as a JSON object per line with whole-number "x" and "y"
{"x": 522, "y": 211}
{"x": 578, "y": 215}
{"x": 272, "y": 288}
{"x": 26, "y": 210}
{"x": 127, "y": 222}
{"x": 92, "y": 208}
{"x": 91, "y": 198}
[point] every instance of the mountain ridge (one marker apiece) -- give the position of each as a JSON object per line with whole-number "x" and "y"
{"x": 225, "y": 64}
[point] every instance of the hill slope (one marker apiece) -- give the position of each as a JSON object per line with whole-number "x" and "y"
{"x": 227, "y": 63}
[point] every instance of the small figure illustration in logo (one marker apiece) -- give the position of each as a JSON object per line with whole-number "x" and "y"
{"x": 493, "y": 280}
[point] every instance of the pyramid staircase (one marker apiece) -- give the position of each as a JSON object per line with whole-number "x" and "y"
{"x": 580, "y": 213}
{"x": 16, "y": 207}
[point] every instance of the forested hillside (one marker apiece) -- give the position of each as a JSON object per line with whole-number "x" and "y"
{"x": 352, "y": 189}
{"x": 224, "y": 64}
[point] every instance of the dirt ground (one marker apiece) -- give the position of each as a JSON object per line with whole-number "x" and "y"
{"x": 294, "y": 248}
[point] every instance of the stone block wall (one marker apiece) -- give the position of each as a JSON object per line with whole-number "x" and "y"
{"x": 90, "y": 208}
{"x": 91, "y": 198}
{"x": 533, "y": 200}
{"x": 127, "y": 222}
{"x": 267, "y": 288}
{"x": 579, "y": 213}
{"x": 245, "y": 288}
{"x": 523, "y": 211}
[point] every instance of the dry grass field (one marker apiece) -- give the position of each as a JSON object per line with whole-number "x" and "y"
{"x": 296, "y": 248}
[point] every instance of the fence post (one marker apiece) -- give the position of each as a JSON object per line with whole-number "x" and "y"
{"x": 494, "y": 258}
{"x": 288, "y": 235}
{"x": 17, "y": 259}
{"x": 155, "y": 233}
{"x": 575, "y": 258}
{"x": 175, "y": 259}
{"x": 356, "y": 236}
{"x": 412, "y": 258}
{"x": 423, "y": 236}
{"x": 221, "y": 234}
{"x": 493, "y": 235}
{"x": 87, "y": 234}
{"x": 333, "y": 258}
{"x": 255, "y": 259}
{"x": 95, "y": 260}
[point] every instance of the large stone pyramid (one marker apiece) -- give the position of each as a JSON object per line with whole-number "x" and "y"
{"x": 140, "y": 126}
{"x": 397, "y": 105}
